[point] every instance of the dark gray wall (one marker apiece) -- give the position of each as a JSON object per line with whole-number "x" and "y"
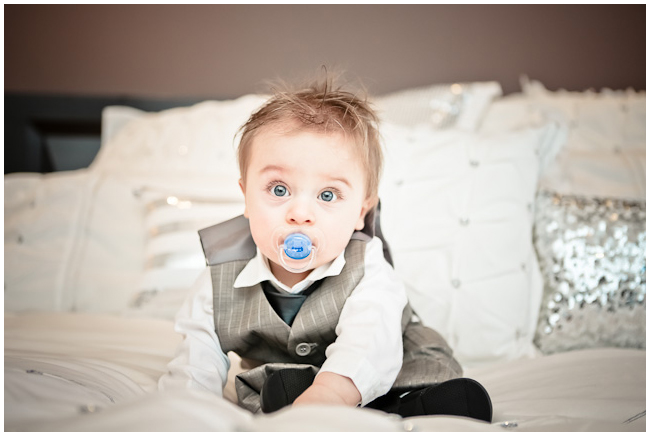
{"x": 221, "y": 51}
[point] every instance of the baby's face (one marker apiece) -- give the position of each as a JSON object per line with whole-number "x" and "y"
{"x": 308, "y": 182}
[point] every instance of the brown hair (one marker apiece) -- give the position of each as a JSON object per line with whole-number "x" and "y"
{"x": 320, "y": 107}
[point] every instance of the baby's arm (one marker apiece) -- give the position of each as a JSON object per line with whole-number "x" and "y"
{"x": 330, "y": 388}
{"x": 199, "y": 362}
{"x": 366, "y": 357}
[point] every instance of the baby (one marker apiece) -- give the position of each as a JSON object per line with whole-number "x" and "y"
{"x": 302, "y": 287}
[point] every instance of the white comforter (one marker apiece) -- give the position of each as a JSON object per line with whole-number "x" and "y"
{"x": 83, "y": 372}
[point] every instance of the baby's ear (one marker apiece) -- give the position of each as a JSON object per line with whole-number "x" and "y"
{"x": 367, "y": 205}
{"x": 243, "y": 190}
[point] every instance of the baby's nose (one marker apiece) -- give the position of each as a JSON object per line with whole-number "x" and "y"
{"x": 300, "y": 212}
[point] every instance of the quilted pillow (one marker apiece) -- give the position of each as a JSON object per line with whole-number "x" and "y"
{"x": 187, "y": 141}
{"x": 440, "y": 106}
{"x": 457, "y": 211}
{"x": 40, "y": 214}
{"x": 81, "y": 232}
{"x": 173, "y": 254}
{"x": 604, "y": 155}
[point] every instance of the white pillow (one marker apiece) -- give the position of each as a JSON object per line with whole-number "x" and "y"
{"x": 199, "y": 140}
{"x": 72, "y": 242}
{"x": 440, "y": 106}
{"x": 173, "y": 254}
{"x": 457, "y": 212}
{"x": 605, "y": 152}
{"x": 196, "y": 141}
{"x": 41, "y": 214}
{"x": 114, "y": 118}
{"x": 108, "y": 257}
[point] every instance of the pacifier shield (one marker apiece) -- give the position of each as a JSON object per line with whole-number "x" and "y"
{"x": 297, "y": 246}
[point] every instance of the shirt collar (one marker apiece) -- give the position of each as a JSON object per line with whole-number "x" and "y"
{"x": 257, "y": 271}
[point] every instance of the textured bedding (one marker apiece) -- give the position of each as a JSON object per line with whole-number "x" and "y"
{"x": 65, "y": 364}
{"x": 79, "y": 372}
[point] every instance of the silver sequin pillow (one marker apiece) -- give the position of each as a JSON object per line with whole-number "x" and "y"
{"x": 592, "y": 256}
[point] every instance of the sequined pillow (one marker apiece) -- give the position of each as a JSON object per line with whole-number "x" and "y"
{"x": 592, "y": 256}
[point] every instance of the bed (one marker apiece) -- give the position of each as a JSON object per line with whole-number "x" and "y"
{"x": 532, "y": 264}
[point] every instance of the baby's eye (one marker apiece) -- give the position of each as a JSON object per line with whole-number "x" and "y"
{"x": 280, "y": 191}
{"x": 327, "y": 196}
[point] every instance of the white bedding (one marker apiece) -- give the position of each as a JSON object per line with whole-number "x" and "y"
{"x": 80, "y": 372}
{"x": 60, "y": 364}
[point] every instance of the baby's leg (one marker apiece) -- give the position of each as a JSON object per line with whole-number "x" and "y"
{"x": 283, "y": 387}
{"x": 459, "y": 396}
{"x": 430, "y": 382}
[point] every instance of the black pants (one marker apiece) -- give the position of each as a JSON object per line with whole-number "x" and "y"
{"x": 460, "y": 396}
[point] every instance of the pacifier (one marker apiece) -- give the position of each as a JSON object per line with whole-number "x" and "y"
{"x": 297, "y": 246}
{"x": 296, "y": 250}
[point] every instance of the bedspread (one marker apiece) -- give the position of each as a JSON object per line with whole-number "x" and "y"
{"x": 66, "y": 364}
{"x": 83, "y": 372}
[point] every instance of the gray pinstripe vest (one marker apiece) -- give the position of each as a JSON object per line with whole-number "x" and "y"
{"x": 246, "y": 323}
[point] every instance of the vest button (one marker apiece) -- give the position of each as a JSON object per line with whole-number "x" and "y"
{"x": 303, "y": 349}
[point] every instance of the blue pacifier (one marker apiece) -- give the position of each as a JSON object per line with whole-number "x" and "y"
{"x": 297, "y": 246}
{"x": 296, "y": 250}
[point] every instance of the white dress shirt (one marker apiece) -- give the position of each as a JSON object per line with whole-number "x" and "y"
{"x": 368, "y": 348}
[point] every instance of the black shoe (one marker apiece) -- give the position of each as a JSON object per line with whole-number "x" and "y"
{"x": 460, "y": 397}
{"x": 283, "y": 387}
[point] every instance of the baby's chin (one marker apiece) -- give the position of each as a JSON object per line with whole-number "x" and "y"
{"x": 279, "y": 270}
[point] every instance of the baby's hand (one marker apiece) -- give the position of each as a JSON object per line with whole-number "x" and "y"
{"x": 330, "y": 388}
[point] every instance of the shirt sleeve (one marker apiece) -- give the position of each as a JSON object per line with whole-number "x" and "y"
{"x": 368, "y": 348}
{"x": 199, "y": 362}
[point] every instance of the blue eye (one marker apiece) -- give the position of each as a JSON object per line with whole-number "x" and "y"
{"x": 327, "y": 196}
{"x": 280, "y": 191}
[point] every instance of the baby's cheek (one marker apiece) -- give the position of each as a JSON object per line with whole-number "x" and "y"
{"x": 338, "y": 245}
